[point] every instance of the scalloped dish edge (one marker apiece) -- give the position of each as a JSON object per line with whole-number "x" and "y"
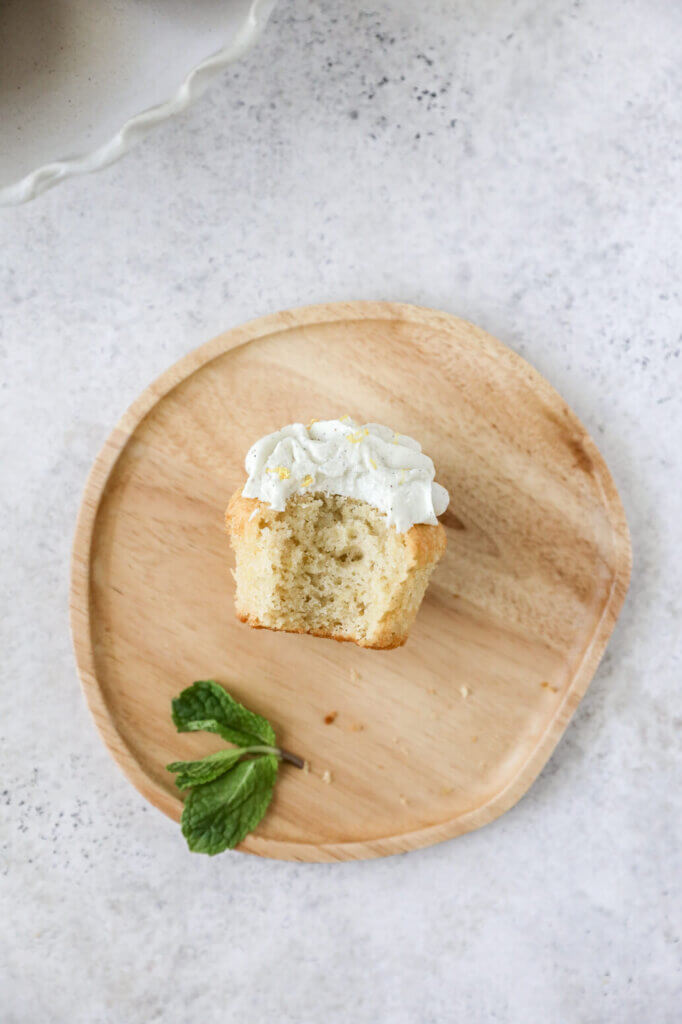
{"x": 138, "y": 127}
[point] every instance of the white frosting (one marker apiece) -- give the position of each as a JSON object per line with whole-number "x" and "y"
{"x": 369, "y": 462}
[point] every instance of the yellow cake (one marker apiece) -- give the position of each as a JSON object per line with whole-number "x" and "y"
{"x": 330, "y": 566}
{"x": 347, "y": 566}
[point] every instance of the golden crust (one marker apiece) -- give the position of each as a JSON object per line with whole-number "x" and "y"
{"x": 425, "y": 545}
{"x": 387, "y": 642}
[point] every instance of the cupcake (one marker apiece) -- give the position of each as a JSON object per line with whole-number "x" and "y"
{"x": 335, "y": 532}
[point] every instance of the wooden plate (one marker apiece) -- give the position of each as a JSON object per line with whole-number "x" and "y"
{"x": 428, "y": 741}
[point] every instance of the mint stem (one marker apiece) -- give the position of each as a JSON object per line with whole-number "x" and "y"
{"x": 294, "y": 759}
{"x": 284, "y": 755}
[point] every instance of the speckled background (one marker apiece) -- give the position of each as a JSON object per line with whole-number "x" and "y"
{"x": 518, "y": 163}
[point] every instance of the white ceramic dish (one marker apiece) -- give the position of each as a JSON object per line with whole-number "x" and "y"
{"x": 82, "y": 80}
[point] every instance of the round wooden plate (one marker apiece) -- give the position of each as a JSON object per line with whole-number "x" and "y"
{"x": 428, "y": 741}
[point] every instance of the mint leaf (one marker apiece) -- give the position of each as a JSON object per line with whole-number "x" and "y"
{"x": 195, "y": 773}
{"x": 218, "y": 814}
{"x": 229, "y": 791}
{"x": 206, "y": 706}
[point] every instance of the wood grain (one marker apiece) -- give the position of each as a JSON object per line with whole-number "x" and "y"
{"x": 425, "y": 742}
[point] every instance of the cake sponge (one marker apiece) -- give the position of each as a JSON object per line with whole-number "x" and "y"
{"x": 330, "y": 566}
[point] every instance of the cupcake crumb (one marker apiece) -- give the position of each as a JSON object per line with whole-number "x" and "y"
{"x": 331, "y": 717}
{"x": 465, "y": 691}
{"x": 326, "y": 776}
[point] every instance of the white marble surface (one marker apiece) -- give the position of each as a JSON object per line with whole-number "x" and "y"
{"x": 515, "y": 162}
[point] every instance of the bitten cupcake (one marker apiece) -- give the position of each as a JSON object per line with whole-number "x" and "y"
{"x": 335, "y": 532}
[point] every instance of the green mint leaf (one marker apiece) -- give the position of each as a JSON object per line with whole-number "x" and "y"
{"x": 218, "y": 815}
{"x": 195, "y": 773}
{"x": 206, "y": 706}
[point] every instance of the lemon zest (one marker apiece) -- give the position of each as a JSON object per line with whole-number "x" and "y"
{"x": 281, "y": 471}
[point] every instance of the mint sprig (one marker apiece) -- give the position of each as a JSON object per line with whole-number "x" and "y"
{"x": 230, "y": 790}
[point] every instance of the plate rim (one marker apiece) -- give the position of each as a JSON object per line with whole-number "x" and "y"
{"x": 79, "y": 604}
{"x": 137, "y": 127}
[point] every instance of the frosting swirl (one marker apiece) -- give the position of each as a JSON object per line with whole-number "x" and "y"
{"x": 368, "y": 462}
